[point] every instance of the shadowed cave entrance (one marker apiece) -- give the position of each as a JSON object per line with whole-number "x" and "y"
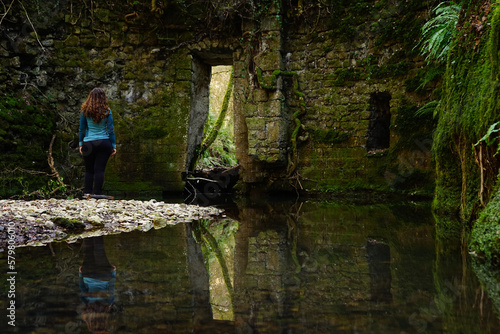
{"x": 215, "y": 171}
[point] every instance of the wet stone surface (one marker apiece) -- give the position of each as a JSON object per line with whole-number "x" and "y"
{"x": 32, "y": 223}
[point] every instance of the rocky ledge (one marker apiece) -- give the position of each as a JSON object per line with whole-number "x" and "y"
{"x": 35, "y": 223}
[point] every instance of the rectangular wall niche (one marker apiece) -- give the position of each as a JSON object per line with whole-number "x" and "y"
{"x": 379, "y": 134}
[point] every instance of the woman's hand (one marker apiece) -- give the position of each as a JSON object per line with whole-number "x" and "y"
{"x": 113, "y": 152}
{"x": 80, "y": 149}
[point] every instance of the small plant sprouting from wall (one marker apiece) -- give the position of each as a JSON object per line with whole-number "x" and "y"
{"x": 489, "y": 138}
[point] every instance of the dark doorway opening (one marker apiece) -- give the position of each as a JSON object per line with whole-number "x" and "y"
{"x": 215, "y": 171}
{"x": 379, "y": 133}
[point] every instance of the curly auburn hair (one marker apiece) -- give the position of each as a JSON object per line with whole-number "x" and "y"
{"x": 96, "y": 105}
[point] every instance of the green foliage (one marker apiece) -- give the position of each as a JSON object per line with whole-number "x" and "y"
{"x": 401, "y": 22}
{"x": 48, "y": 190}
{"x": 209, "y": 139}
{"x": 468, "y": 108}
{"x": 347, "y": 76}
{"x": 25, "y": 134}
{"x": 421, "y": 82}
{"x": 221, "y": 152}
{"x": 414, "y": 128}
{"x": 427, "y": 109}
{"x": 485, "y": 236}
{"x": 438, "y": 32}
{"x": 369, "y": 68}
{"x": 489, "y": 138}
{"x": 410, "y": 119}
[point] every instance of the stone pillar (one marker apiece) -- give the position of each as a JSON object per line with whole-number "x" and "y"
{"x": 261, "y": 122}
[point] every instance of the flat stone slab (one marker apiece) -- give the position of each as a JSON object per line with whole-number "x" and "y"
{"x": 34, "y": 223}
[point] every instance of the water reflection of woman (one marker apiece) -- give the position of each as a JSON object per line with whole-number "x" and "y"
{"x": 97, "y": 285}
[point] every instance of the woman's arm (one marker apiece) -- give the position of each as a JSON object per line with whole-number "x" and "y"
{"x": 111, "y": 131}
{"x": 82, "y": 130}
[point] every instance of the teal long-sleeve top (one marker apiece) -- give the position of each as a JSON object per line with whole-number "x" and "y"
{"x": 94, "y": 290}
{"x": 89, "y": 130}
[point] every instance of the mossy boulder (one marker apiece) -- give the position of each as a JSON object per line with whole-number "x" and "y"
{"x": 68, "y": 224}
{"x": 485, "y": 236}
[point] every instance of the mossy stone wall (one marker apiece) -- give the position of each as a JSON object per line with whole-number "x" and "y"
{"x": 311, "y": 64}
{"x": 467, "y": 171}
{"x": 303, "y": 81}
{"x": 76, "y": 48}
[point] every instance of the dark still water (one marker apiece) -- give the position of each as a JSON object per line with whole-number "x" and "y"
{"x": 283, "y": 267}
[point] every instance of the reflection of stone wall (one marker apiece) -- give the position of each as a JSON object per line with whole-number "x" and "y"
{"x": 304, "y": 267}
{"x": 328, "y": 266}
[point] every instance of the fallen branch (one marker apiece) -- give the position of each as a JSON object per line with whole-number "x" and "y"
{"x": 6, "y": 12}
{"x": 51, "y": 161}
{"x": 32, "y": 26}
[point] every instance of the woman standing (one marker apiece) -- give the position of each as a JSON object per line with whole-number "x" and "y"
{"x": 97, "y": 139}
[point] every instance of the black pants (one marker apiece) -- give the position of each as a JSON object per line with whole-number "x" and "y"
{"x": 95, "y": 155}
{"x": 95, "y": 262}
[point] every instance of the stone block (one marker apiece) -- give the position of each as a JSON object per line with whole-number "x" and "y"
{"x": 272, "y": 131}
{"x": 240, "y": 71}
{"x": 250, "y": 110}
{"x": 48, "y": 42}
{"x": 272, "y": 41}
{"x": 102, "y": 14}
{"x": 312, "y": 173}
{"x": 296, "y": 66}
{"x": 182, "y": 61}
{"x": 134, "y": 39}
{"x": 270, "y": 23}
{"x": 248, "y": 25}
{"x": 272, "y": 261}
{"x": 102, "y": 42}
{"x": 255, "y": 123}
{"x": 72, "y": 40}
{"x": 269, "y": 61}
{"x": 260, "y": 95}
{"x": 117, "y": 40}
{"x": 183, "y": 75}
{"x": 365, "y": 114}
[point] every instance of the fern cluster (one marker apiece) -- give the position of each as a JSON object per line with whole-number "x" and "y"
{"x": 438, "y": 32}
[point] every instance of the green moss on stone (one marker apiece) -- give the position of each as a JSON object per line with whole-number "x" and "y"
{"x": 68, "y": 224}
{"x": 469, "y": 105}
{"x": 330, "y": 136}
{"x": 485, "y": 236}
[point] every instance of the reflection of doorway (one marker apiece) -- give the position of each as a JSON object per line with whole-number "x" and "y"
{"x": 217, "y": 243}
{"x": 380, "y": 121}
